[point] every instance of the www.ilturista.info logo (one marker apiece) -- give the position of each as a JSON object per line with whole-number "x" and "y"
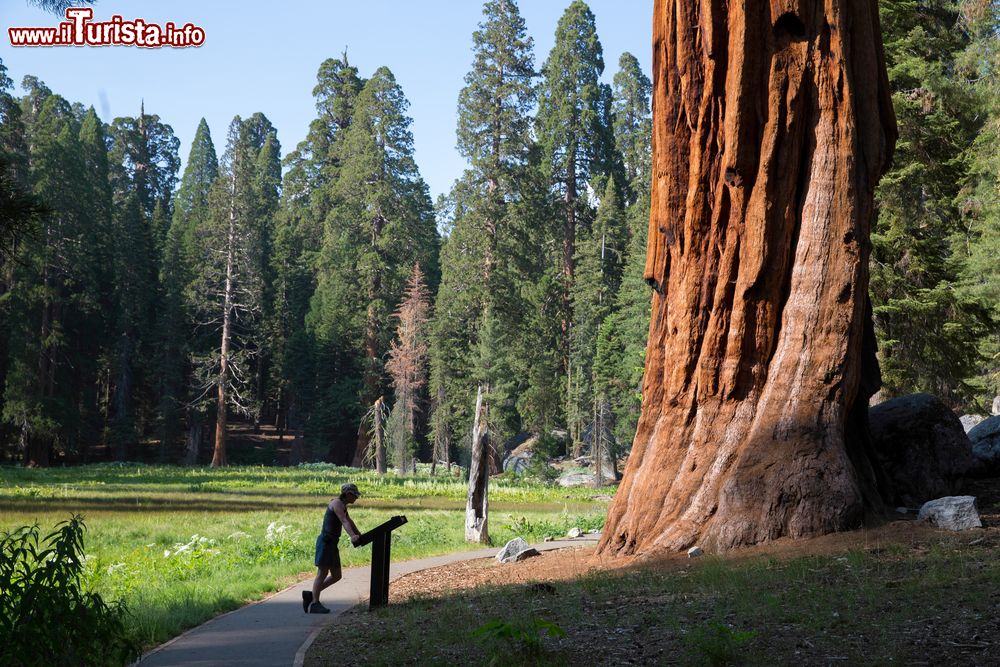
{"x": 80, "y": 30}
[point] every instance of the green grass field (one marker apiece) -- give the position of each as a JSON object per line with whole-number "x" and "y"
{"x": 181, "y": 545}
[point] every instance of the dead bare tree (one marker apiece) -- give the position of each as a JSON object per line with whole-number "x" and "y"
{"x": 407, "y": 364}
{"x": 477, "y": 504}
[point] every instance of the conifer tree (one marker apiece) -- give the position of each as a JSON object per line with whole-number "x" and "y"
{"x": 570, "y": 127}
{"x": 479, "y": 293}
{"x": 181, "y": 255}
{"x": 143, "y": 172}
{"x": 980, "y": 200}
{"x": 407, "y": 364}
{"x": 621, "y": 342}
{"x": 633, "y": 127}
{"x": 20, "y": 213}
{"x": 228, "y": 288}
{"x": 18, "y": 209}
{"x": 928, "y": 329}
{"x": 54, "y": 288}
{"x": 92, "y": 331}
{"x": 600, "y": 254}
{"x": 381, "y": 225}
{"x": 306, "y": 388}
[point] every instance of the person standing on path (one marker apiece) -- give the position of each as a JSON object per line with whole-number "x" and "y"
{"x": 327, "y": 556}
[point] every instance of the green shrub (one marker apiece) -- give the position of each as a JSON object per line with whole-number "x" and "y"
{"x": 46, "y": 618}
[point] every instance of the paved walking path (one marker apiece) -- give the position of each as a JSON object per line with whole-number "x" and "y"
{"x": 276, "y": 632}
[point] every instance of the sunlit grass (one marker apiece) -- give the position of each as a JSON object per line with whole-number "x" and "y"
{"x": 138, "y": 516}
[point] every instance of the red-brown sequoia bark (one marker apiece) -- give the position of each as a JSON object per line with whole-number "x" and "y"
{"x": 772, "y": 126}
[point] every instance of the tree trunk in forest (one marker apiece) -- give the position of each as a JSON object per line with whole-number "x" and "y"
{"x": 440, "y": 435}
{"x": 772, "y": 126}
{"x": 477, "y": 505}
{"x": 193, "y": 438}
{"x": 219, "y": 453}
{"x": 360, "y": 447}
{"x": 597, "y": 441}
{"x": 380, "y": 464}
{"x": 36, "y": 448}
{"x": 372, "y": 374}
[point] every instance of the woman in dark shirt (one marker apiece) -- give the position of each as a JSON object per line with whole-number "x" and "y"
{"x": 327, "y": 556}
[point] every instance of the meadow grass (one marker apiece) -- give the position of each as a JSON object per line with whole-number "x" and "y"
{"x": 181, "y": 545}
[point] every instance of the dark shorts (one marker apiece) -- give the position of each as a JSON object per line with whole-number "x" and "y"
{"x": 327, "y": 554}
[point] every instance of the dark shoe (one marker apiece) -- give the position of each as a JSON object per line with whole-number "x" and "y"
{"x": 307, "y": 598}
{"x": 318, "y": 608}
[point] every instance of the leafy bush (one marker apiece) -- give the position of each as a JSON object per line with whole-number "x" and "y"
{"x": 46, "y": 617}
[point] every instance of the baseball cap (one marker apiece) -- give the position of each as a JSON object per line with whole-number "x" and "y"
{"x": 352, "y": 489}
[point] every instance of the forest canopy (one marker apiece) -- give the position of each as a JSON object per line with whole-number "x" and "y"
{"x": 145, "y": 310}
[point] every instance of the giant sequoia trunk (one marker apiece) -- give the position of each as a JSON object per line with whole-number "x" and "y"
{"x": 772, "y": 125}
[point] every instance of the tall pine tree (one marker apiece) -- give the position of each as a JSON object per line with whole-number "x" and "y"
{"x": 572, "y": 128}
{"x": 381, "y": 224}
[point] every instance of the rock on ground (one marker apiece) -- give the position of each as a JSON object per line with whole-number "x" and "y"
{"x": 511, "y": 549}
{"x": 584, "y": 478}
{"x": 951, "y": 513}
{"x": 518, "y": 462}
{"x": 575, "y": 532}
{"x": 922, "y": 448}
{"x": 970, "y": 422}
{"x": 521, "y": 555}
{"x": 986, "y": 443}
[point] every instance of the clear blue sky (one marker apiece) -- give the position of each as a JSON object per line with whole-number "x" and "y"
{"x": 263, "y": 56}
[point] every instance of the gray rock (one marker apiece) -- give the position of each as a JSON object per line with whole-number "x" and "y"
{"x": 518, "y": 462}
{"x": 951, "y": 513}
{"x": 694, "y": 552}
{"x": 521, "y": 555}
{"x": 584, "y": 478}
{"x": 922, "y": 448}
{"x": 986, "y": 443}
{"x": 511, "y": 549}
{"x": 996, "y": 405}
{"x": 969, "y": 422}
{"x": 560, "y": 435}
{"x": 575, "y": 532}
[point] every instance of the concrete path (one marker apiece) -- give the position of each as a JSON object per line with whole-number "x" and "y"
{"x": 276, "y": 632}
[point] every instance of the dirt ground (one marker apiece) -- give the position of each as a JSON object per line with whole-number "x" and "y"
{"x": 567, "y": 564}
{"x": 957, "y": 633}
{"x": 574, "y": 563}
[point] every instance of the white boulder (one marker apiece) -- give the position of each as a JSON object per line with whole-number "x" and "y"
{"x": 951, "y": 513}
{"x": 511, "y": 549}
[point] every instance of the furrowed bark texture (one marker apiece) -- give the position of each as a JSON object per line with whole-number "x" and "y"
{"x": 772, "y": 126}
